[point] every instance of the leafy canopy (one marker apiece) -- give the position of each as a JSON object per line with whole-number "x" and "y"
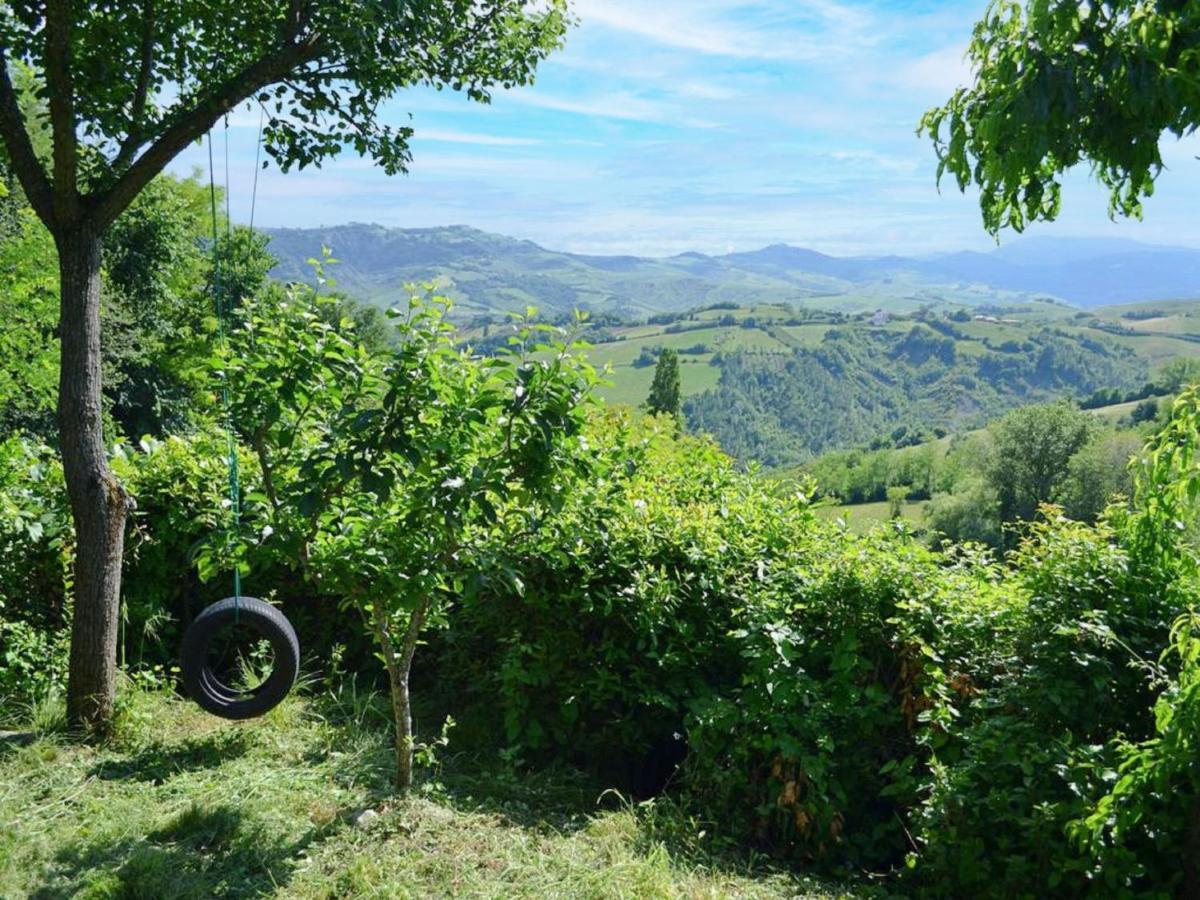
{"x": 1058, "y": 82}
{"x": 127, "y": 86}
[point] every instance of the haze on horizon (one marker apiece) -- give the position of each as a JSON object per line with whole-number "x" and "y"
{"x": 700, "y": 125}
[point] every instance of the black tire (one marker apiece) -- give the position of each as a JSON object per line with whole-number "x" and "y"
{"x": 204, "y": 685}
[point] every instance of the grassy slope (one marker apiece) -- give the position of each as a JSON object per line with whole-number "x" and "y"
{"x": 862, "y": 517}
{"x": 1155, "y": 340}
{"x": 184, "y": 805}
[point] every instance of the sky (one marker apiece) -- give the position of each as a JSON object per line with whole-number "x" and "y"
{"x": 666, "y": 126}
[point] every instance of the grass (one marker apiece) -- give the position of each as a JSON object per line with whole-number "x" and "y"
{"x": 184, "y": 805}
{"x": 862, "y": 517}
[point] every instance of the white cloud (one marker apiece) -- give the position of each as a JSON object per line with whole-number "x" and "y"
{"x": 874, "y": 160}
{"x": 622, "y": 105}
{"x": 445, "y": 136}
{"x": 811, "y": 30}
{"x": 938, "y": 73}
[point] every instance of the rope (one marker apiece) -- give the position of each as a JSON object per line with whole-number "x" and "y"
{"x": 221, "y": 302}
{"x": 262, "y": 114}
{"x": 226, "y": 400}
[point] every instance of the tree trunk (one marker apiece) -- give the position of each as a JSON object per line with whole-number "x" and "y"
{"x": 98, "y": 502}
{"x": 1191, "y": 857}
{"x": 399, "y": 665}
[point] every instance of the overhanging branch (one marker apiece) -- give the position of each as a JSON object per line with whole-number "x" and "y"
{"x": 192, "y": 125}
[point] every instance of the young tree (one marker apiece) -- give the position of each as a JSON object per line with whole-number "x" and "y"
{"x": 382, "y": 470}
{"x": 1060, "y": 82}
{"x": 1179, "y": 373}
{"x": 664, "y": 390}
{"x": 896, "y": 497}
{"x": 126, "y": 87}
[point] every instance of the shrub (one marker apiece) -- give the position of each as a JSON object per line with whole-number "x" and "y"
{"x": 35, "y": 535}
{"x": 1144, "y": 833}
{"x": 588, "y": 637}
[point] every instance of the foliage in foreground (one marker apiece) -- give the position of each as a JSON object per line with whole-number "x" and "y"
{"x": 959, "y": 723}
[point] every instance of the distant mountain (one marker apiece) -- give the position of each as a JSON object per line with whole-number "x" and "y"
{"x": 488, "y": 273}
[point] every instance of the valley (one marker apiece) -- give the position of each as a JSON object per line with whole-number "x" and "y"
{"x": 785, "y": 353}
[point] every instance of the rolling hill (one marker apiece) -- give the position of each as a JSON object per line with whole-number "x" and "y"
{"x": 491, "y": 274}
{"x": 778, "y": 385}
{"x": 786, "y": 352}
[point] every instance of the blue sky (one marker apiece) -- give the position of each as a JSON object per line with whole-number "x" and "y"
{"x": 711, "y": 125}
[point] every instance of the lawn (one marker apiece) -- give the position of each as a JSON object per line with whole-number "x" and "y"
{"x": 184, "y": 805}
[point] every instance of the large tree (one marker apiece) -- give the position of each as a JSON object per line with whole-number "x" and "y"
{"x": 1058, "y": 82}
{"x": 1031, "y": 456}
{"x": 127, "y": 85}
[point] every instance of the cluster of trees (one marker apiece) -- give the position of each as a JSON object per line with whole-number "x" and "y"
{"x": 980, "y": 482}
{"x": 782, "y": 409}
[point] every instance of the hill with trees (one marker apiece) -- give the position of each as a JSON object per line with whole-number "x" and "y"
{"x": 778, "y": 384}
{"x": 489, "y": 273}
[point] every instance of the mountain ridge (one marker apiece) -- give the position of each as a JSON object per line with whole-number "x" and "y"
{"x": 488, "y": 273}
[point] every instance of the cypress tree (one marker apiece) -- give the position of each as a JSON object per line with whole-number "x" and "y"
{"x": 664, "y": 390}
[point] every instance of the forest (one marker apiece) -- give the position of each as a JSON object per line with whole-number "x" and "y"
{"x": 549, "y": 645}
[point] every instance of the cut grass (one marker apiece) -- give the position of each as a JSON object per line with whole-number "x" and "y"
{"x": 183, "y": 805}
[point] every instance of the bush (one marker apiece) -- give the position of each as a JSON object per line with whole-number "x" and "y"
{"x": 33, "y": 663}
{"x": 35, "y": 535}
{"x": 588, "y": 638}
{"x": 811, "y": 755}
{"x": 1029, "y": 753}
{"x": 1144, "y": 833}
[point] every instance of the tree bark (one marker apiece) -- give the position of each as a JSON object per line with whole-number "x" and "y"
{"x": 399, "y": 665}
{"x": 99, "y": 504}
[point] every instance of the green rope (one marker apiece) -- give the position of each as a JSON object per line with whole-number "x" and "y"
{"x": 220, "y": 301}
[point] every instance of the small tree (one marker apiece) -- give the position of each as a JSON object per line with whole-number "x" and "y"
{"x": 127, "y": 86}
{"x": 897, "y": 495}
{"x": 381, "y": 470}
{"x": 664, "y": 390}
{"x": 1179, "y": 373}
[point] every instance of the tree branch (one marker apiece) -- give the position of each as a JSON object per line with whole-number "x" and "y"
{"x": 137, "y": 109}
{"x": 26, "y": 165}
{"x": 61, "y": 88}
{"x": 192, "y": 124}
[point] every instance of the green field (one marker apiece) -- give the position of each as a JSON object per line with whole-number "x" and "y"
{"x": 863, "y": 517}
{"x": 630, "y": 384}
{"x": 774, "y": 331}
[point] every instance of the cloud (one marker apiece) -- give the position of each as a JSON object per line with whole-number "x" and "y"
{"x": 938, "y": 73}
{"x": 446, "y": 136}
{"x": 621, "y": 105}
{"x": 760, "y": 31}
{"x": 874, "y": 160}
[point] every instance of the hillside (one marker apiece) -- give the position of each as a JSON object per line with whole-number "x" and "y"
{"x": 777, "y": 385}
{"x": 488, "y": 273}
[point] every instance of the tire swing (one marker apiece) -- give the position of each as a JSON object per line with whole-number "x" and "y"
{"x": 210, "y": 675}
